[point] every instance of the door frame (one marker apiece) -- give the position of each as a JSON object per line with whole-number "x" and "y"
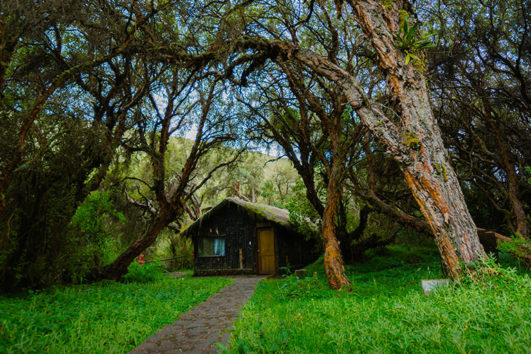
{"x": 257, "y": 233}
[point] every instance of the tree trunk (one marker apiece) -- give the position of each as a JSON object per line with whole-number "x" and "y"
{"x": 333, "y": 261}
{"x": 415, "y": 143}
{"x": 424, "y": 159}
{"x": 512, "y": 178}
{"x": 118, "y": 268}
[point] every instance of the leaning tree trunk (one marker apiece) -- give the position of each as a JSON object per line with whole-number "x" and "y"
{"x": 118, "y": 267}
{"x": 415, "y": 141}
{"x": 418, "y": 148}
{"x": 422, "y": 156}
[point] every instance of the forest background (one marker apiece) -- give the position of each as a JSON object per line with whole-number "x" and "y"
{"x": 121, "y": 122}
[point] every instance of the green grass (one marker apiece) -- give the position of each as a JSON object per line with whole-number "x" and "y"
{"x": 387, "y": 311}
{"x": 105, "y": 317}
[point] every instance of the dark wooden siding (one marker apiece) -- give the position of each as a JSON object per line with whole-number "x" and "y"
{"x": 294, "y": 251}
{"x": 238, "y": 226}
{"x": 238, "y": 229}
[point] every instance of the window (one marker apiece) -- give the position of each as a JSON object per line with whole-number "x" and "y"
{"x": 212, "y": 246}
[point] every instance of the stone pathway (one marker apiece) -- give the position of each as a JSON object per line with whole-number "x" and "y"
{"x": 208, "y": 323}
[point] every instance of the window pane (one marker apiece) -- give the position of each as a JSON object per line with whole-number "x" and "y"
{"x": 219, "y": 246}
{"x": 209, "y": 246}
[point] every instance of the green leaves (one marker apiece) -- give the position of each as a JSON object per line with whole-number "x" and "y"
{"x": 409, "y": 56}
{"x": 412, "y": 41}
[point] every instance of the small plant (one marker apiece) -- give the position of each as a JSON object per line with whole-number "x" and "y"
{"x": 144, "y": 273}
{"x": 412, "y": 42}
{"x": 296, "y": 288}
{"x": 486, "y": 271}
{"x": 412, "y": 140}
{"x": 519, "y": 247}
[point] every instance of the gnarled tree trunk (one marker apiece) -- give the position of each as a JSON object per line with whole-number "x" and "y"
{"x": 119, "y": 266}
{"x": 415, "y": 142}
{"x": 422, "y": 156}
{"x": 333, "y": 260}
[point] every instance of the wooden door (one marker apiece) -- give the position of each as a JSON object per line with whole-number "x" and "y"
{"x": 266, "y": 251}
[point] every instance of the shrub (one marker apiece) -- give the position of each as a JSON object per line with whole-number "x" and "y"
{"x": 144, "y": 273}
{"x": 519, "y": 247}
{"x": 94, "y": 226}
{"x": 297, "y": 288}
{"x": 181, "y": 249}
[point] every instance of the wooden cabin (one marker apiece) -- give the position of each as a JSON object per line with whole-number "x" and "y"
{"x": 239, "y": 237}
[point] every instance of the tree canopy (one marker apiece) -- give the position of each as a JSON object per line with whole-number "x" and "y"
{"x": 417, "y": 112}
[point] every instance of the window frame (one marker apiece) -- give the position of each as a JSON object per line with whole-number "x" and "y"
{"x": 200, "y": 246}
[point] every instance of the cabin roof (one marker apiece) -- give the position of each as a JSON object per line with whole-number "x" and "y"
{"x": 276, "y": 215}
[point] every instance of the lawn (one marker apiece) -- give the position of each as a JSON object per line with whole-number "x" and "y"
{"x": 387, "y": 311}
{"x": 106, "y": 317}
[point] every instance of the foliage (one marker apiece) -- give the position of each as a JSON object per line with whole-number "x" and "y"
{"x": 301, "y": 213}
{"x": 182, "y": 249}
{"x": 92, "y": 216}
{"x": 481, "y": 49}
{"x": 144, "y": 273}
{"x": 176, "y": 248}
{"x": 486, "y": 271}
{"x": 519, "y": 247}
{"x": 105, "y": 317}
{"x": 96, "y": 219}
{"x": 412, "y": 42}
{"x": 40, "y": 247}
{"x": 387, "y": 311}
{"x": 144, "y": 80}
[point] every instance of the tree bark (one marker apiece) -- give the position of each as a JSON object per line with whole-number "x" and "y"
{"x": 333, "y": 261}
{"x": 425, "y": 164}
{"x": 118, "y": 267}
{"x": 415, "y": 143}
{"x": 512, "y": 178}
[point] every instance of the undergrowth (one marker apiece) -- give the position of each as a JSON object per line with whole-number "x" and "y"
{"x": 106, "y": 317}
{"x": 144, "y": 273}
{"x": 387, "y": 310}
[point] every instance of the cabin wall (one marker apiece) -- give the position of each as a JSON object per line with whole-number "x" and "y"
{"x": 294, "y": 251}
{"x": 238, "y": 229}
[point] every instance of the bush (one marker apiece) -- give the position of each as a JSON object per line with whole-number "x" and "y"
{"x": 309, "y": 287}
{"x": 176, "y": 249}
{"x": 181, "y": 249}
{"x": 519, "y": 247}
{"x": 144, "y": 273}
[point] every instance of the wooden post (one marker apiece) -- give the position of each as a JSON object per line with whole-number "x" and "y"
{"x": 241, "y": 259}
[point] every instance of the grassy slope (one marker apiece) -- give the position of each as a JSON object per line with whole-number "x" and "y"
{"x": 106, "y": 317}
{"x": 387, "y": 312}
